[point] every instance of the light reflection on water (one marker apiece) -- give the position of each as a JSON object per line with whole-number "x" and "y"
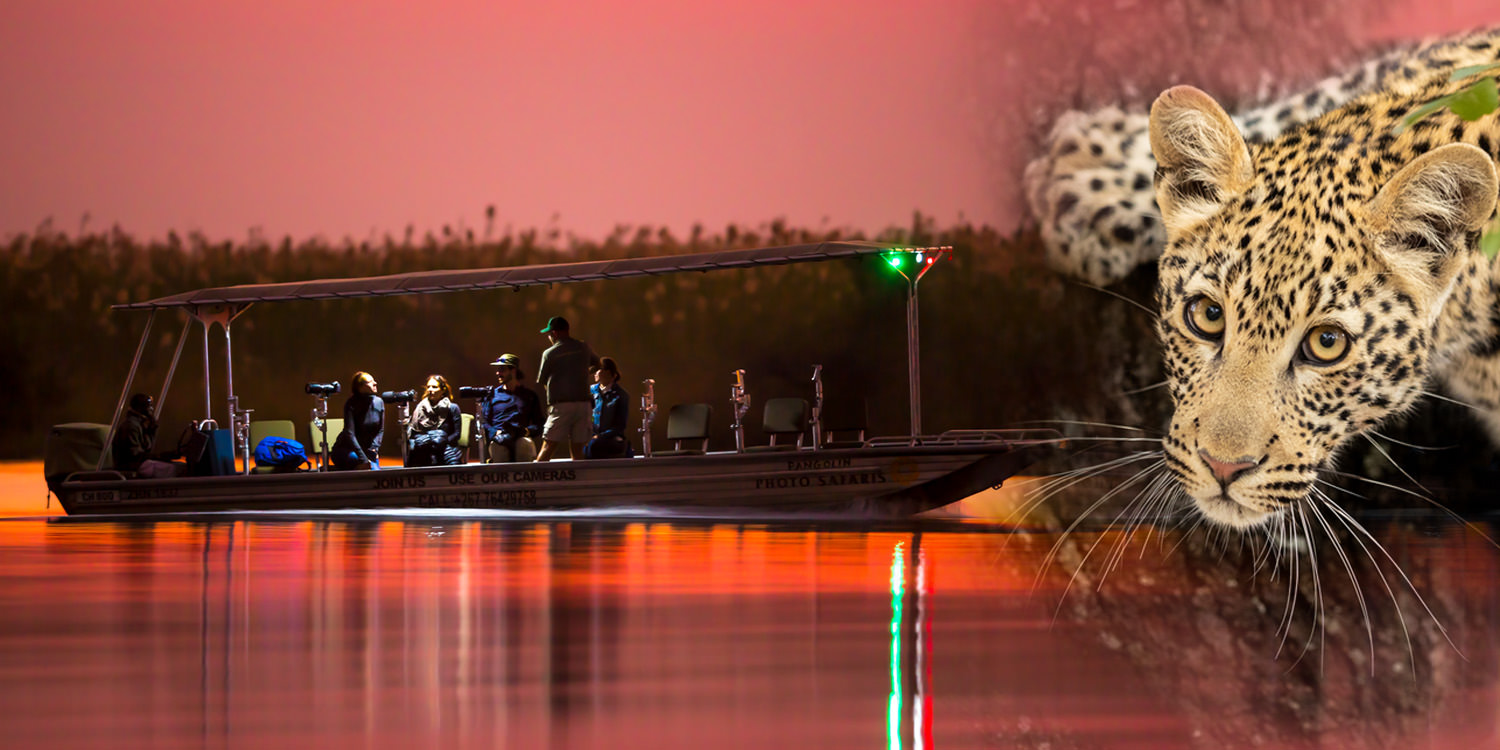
{"x": 460, "y": 632}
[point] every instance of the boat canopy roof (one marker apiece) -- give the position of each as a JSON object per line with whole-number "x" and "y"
{"x": 510, "y": 277}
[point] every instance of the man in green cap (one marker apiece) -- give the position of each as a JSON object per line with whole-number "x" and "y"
{"x": 564, "y": 372}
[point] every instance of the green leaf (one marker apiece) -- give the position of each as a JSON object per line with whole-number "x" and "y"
{"x": 1476, "y": 100}
{"x": 1413, "y": 116}
{"x": 1417, "y": 114}
{"x": 1490, "y": 243}
{"x": 1462, "y": 73}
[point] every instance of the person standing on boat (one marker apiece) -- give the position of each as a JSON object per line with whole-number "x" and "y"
{"x": 564, "y": 372}
{"x": 611, "y": 409}
{"x": 434, "y": 427}
{"x": 512, "y": 416}
{"x": 358, "y": 445}
{"x": 134, "y": 439}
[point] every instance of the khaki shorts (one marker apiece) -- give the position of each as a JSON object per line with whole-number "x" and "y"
{"x": 569, "y": 422}
{"x": 525, "y": 451}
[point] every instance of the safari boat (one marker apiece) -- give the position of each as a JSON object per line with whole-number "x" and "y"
{"x": 881, "y": 476}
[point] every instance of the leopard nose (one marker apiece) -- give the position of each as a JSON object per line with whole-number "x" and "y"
{"x": 1227, "y": 471}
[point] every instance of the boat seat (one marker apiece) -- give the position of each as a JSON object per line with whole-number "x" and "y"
{"x": 75, "y": 446}
{"x": 846, "y": 417}
{"x": 315, "y": 437}
{"x": 282, "y": 428}
{"x": 785, "y": 418}
{"x": 687, "y": 422}
{"x": 466, "y": 434}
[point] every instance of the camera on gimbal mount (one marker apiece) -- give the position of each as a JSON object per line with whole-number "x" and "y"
{"x": 475, "y": 391}
{"x": 323, "y": 389}
{"x": 398, "y": 397}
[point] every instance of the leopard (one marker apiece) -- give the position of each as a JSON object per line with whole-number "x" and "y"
{"x": 1091, "y": 194}
{"x": 1312, "y": 284}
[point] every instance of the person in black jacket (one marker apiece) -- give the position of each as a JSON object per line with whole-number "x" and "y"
{"x": 611, "y": 409}
{"x": 434, "y": 427}
{"x": 358, "y": 445}
{"x": 134, "y": 439}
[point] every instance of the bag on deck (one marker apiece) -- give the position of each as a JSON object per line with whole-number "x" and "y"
{"x": 279, "y": 452}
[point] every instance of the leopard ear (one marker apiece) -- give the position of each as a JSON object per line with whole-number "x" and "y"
{"x": 1429, "y": 211}
{"x": 1201, "y": 158}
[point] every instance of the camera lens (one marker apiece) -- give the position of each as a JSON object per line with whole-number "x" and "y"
{"x": 323, "y": 389}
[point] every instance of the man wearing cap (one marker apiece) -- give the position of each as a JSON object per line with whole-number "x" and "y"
{"x": 512, "y": 416}
{"x": 565, "y": 374}
{"x": 134, "y": 439}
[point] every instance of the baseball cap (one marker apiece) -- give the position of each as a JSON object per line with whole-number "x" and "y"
{"x": 556, "y": 323}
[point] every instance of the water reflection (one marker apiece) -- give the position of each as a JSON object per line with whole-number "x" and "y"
{"x": 459, "y": 632}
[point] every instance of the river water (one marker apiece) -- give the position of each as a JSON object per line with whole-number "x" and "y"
{"x": 648, "y": 631}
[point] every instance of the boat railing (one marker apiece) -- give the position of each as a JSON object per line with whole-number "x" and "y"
{"x": 104, "y": 475}
{"x": 1026, "y": 436}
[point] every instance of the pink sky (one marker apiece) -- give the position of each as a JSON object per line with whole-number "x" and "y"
{"x": 347, "y": 118}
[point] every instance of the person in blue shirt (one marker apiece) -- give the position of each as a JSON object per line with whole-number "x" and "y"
{"x": 512, "y": 415}
{"x": 611, "y": 410}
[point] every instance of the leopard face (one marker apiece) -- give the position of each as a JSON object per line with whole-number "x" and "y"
{"x": 1281, "y": 344}
{"x": 1305, "y": 285}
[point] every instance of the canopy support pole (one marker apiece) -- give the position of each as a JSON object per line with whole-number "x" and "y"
{"x": 926, "y": 258}
{"x": 109, "y": 438}
{"x": 208, "y": 396}
{"x": 239, "y": 420}
{"x": 913, "y": 358}
{"x": 166, "y": 386}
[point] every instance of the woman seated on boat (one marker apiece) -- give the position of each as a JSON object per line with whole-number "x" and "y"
{"x": 611, "y": 407}
{"x": 433, "y": 432}
{"x": 358, "y": 445}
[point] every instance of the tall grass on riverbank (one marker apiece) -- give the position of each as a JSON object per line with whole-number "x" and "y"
{"x": 1003, "y": 340}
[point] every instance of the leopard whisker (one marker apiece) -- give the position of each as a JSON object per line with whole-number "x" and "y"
{"x": 1345, "y": 490}
{"x": 1068, "y": 479}
{"x": 1143, "y": 389}
{"x": 1142, "y": 504}
{"x": 1349, "y": 523}
{"x": 1168, "y": 492}
{"x": 1198, "y": 520}
{"x": 1082, "y": 423}
{"x": 1294, "y": 582}
{"x": 1261, "y": 549}
{"x": 1318, "y": 629}
{"x": 1455, "y": 401}
{"x": 1051, "y": 555}
{"x": 1154, "y": 315}
{"x": 1404, "y": 473}
{"x": 1359, "y": 528}
{"x": 1359, "y": 595}
{"x": 1424, "y": 498}
{"x": 1413, "y": 446}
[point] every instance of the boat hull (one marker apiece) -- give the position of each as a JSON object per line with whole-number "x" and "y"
{"x": 886, "y": 481}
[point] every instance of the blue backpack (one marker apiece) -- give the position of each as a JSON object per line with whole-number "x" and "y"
{"x": 280, "y": 453}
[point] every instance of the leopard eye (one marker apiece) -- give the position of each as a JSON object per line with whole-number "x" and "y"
{"x": 1205, "y": 318}
{"x": 1325, "y": 345}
